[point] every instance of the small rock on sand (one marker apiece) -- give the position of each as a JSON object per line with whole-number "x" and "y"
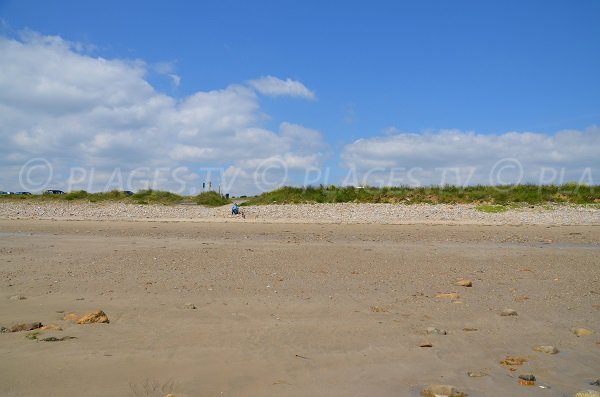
{"x": 513, "y": 360}
{"x": 25, "y": 327}
{"x": 441, "y": 391}
{"x": 436, "y": 331}
{"x": 95, "y": 317}
{"x": 189, "y": 306}
{"x": 71, "y": 317}
{"x": 4, "y": 330}
{"x": 588, "y": 393}
{"x": 582, "y": 331}
{"x": 508, "y": 312}
{"x": 546, "y": 349}
{"x": 448, "y": 295}
{"x": 476, "y": 374}
{"x": 17, "y": 297}
{"x": 51, "y": 327}
{"x": 464, "y": 283}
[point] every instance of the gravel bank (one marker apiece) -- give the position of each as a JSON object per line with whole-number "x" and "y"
{"x": 307, "y": 213}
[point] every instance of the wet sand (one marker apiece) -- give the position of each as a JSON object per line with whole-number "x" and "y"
{"x": 296, "y": 309}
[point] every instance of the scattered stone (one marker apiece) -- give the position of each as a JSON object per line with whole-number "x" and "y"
{"x": 95, "y": 317}
{"x": 508, "y": 312}
{"x": 513, "y": 360}
{"x": 469, "y": 329}
{"x": 378, "y": 309}
{"x": 25, "y": 327}
{"x": 17, "y": 297}
{"x": 582, "y": 331}
{"x": 425, "y": 344}
{"x": 51, "y": 327}
{"x": 189, "y": 306}
{"x": 546, "y": 349}
{"x": 595, "y": 383}
{"x": 464, "y": 283}
{"x": 32, "y": 335}
{"x": 442, "y": 391}
{"x": 521, "y": 298}
{"x": 588, "y": 393}
{"x": 55, "y": 339}
{"x": 527, "y": 377}
{"x": 4, "y": 330}
{"x": 448, "y": 295}
{"x": 436, "y": 331}
{"x": 71, "y": 317}
{"x": 476, "y": 374}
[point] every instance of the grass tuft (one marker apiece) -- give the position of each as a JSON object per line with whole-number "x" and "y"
{"x": 211, "y": 199}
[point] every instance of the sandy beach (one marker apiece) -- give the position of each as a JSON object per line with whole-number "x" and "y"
{"x": 259, "y": 308}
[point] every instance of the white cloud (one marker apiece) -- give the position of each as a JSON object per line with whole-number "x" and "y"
{"x": 99, "y": 121}
{"x": 273, "y": 86}
{"x": 457, "y": 157}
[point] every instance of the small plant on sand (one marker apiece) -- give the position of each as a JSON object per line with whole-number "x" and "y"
{"x": 32, "y": 335}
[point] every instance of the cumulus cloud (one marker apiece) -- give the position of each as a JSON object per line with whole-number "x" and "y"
{"x": 273, "y": 86}
{"x": 462, "y": 158}
{"x": 98, "y": 123}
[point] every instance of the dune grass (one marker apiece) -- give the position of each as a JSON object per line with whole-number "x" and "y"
{"x": 211, "y": 199}
{"x": 494, "y": 195}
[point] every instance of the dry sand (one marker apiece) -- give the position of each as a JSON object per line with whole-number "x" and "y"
{"x": 296, "y": 310}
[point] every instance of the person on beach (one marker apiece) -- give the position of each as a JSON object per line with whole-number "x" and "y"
{"x": 235, "y": 209}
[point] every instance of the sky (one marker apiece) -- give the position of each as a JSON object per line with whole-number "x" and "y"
{"x": 254, "y": 95}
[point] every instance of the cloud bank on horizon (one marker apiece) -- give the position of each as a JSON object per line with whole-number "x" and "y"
{"x": 100, "y": 124}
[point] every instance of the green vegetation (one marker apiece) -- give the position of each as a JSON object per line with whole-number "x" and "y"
{"x": 491, "y": 209}
{"x": 488, "y": 198}
{"x": 142, "y": 197}
{"x": 493, "y": 195}
{"x": 211, "y": 199}
{"x": 32, "y": 335}
{"x": 155, "y": 197}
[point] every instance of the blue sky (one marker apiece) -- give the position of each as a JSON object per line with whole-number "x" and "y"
{"x": 380, "y": 72}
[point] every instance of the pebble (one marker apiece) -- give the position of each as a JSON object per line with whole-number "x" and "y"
{"x": 546, "y": 349}
{"x": 508, "y": 312}
{"x": 530, "y": 378}
{"x": 94, "y": 317}
{"x": 464, "y": 283}
{"x": 582, "y": 331}
{"x": 436, "y": 331}
{"x": 25, "y": 327}
{"x": 448, "y": 295}
{"x": 189, "y": 306}
{"x": 17, "y": 297}
{"x": 595, "y": 383}
{"x": 51, "y": 327}
{"x": 331, "y": 213}
{"x": 441, "y": 391}
{"x": 476, "y": 374}
{"x": 588, "y": 393}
